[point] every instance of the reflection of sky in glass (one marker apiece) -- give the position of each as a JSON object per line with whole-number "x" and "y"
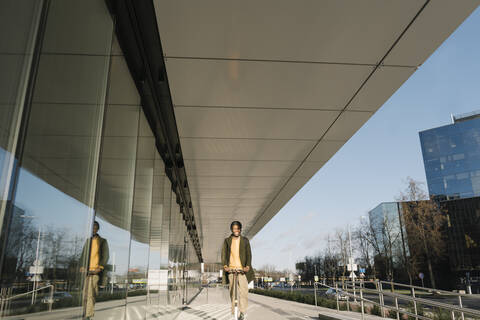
{"x": 385, "y": 216}
{"x": 4, "y": 158}
{"x": 452, "y": 159}
{"x": 139, "y": 255}
{"x": 118, "y": 242}
{"x": 154, "y": 259}
{"x": 50, "y": 206}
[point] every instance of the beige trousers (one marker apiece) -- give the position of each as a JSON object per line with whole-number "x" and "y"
{"x": 242, "y": 292}
{"x": 90, "y": 291}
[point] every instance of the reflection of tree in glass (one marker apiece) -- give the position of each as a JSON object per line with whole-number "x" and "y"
{"x": 59, "y": 252}
{"x": 20, "y": 249}
{"x": 424, "y": 223}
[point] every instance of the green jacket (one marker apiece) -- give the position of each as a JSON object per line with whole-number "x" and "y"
{"x": 104, "y": 255}
{"x": 245, "y": 257}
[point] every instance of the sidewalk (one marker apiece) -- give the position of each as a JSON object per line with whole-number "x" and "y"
{"x": 216, "y": 306}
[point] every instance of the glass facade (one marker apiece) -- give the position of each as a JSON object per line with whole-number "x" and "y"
{"x": 464, "y": 234}
{"x": 388, "y": 230}
{"x": 76, "y": 147}
{"x": 451, "y": 155}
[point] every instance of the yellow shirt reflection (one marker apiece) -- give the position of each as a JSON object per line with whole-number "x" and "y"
{"x": 94, "y": 254}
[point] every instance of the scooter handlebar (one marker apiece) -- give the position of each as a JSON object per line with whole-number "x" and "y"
{"x": 240, "y": 271}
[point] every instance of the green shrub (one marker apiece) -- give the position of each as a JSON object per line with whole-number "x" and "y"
{"x": 411, "y": 309}
{"x": 375, "y": 310}
{"x": 441, "y": 314}
{"x": 355, "y": 308}
{"x": 391, "y": 314}
{"x": 297, "y": 297}
{"x": 327, "y": 303}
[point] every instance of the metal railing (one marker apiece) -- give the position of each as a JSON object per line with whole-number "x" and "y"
{"x": 5, "y": 300}
{"x": 357, "y": 289}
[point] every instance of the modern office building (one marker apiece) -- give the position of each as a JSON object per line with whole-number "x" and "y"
{"x": 464, "y": 238}
{"x": 166, "y": 120}
{"x": 451, "y": 155}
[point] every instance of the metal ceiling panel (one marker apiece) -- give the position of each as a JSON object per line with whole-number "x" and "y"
{"x": 240, "y": 168}
{"x": 253, "y": 123}
{"x": 244, "y": 149}
{"x": 263, "y": 84}
{"x": 306, "y": 30}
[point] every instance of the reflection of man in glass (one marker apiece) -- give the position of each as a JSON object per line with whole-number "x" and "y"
{"x": 237, "y": 258}
{"x": 96, "y": 265}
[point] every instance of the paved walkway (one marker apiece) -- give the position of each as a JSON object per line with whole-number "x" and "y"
{"x": 217, "y": 307}
{"x": 211, "y": 304}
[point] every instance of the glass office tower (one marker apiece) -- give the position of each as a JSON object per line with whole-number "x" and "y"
{"x": 451, "y": 155}
{"x": 76, "y": 147}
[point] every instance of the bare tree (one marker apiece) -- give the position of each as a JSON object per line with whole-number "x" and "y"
{"x": 330, "y": 260}
{"x": 424, "y": 223}
{"x": 383, "y": 233}
{"x": 269, "y": 270}
{"x": 362, "y": 245}
{"x": 341, "y": 242}
{"x": 391, "y": 240}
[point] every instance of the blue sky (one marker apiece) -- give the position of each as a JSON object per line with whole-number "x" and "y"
{"x": 374, "y": 164}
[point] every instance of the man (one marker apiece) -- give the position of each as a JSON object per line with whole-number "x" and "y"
{"x": 236, "y": 254}
{"x": 98, "y": 248}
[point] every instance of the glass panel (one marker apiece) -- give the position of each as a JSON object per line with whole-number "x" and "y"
{"x": 18, "y": 28}
{"x": 50, "y": 219}
{"x": 165, "y": 280}
{"x": 193, "y": 268}
{"x": 176, "y": 255}
{"x": 140, "y": 229}
{"x": 156, "y": 283}
{"x": 114, "y": 205}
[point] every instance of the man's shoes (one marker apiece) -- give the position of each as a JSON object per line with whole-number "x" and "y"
{"x": 242, "y": 316}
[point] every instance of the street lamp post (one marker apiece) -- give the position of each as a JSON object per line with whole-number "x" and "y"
{"x": 315, "y": 279}
{"x": 351, "y": 264}
{"x": 36, "y": 268}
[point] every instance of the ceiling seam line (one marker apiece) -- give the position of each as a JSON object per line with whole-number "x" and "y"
{"x": 225, "y": 160}
{"x": 284, "y": 61}
{"x": 269, "y": 108}
{"x": 244, "y": 160}
{"x": 239, "y": 176}
{"x": 220, "y": 138}
{"x": 240, "y": 138}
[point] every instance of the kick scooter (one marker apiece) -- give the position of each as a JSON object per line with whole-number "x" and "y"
{"x": 235, "y": 273}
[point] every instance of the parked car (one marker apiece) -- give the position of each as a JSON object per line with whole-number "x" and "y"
{"x": 57, "y": 296}
{"x": 332, "y": 294}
